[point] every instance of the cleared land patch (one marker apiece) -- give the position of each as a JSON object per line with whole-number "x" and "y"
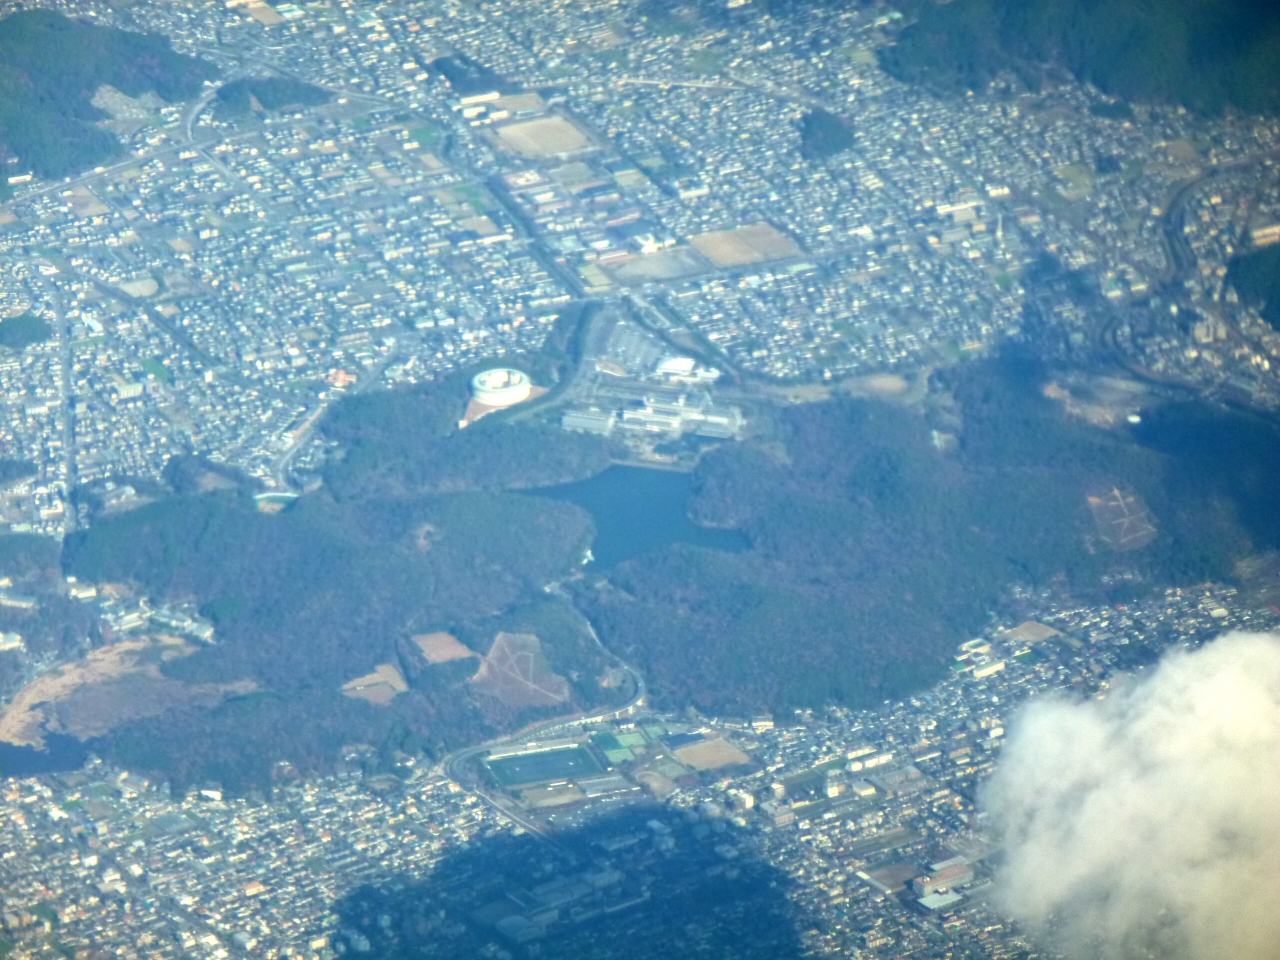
{"x": 85, "y": 204}
{"x": 264, "y": 13}
{"x": 442, "y": 647}
{"x": 551, "y": 796}
{"x": 711, "y": 755}
{"x": 659, "y": 785}
{"x": 111, "y": 686}
{"x": 543, "y": 137}
{"x": 144, "y": 287}
{"x": 380, "y": 687}
{"x": 516, "y": 672}
{"x": 1122, "y": 519}
{"x": 742, "y": 246}
{"x": 663, "y": 265}
{"x": 1030, "y": 631}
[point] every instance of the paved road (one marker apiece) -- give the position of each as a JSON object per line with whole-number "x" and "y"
{"x": 195, "y": 110}
{"x": 280, "y": 468}
{"x": 1180, "y": 257}
{"x": 456, "y": 765}
{"x": 62, "y": 330}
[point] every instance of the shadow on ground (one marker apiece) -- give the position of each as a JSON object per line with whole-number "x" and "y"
{"x": 639, "y": 885}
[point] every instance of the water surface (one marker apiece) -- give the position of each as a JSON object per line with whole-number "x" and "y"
{"x": 637, "y": 510}
{"x": 61, "y": 754}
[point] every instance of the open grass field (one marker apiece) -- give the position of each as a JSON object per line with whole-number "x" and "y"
{"x": 563, "y": 763}
{"x": 740, "y": 247}
{"x": 543, "y": 137}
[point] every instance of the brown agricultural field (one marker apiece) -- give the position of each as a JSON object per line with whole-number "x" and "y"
{"x": 441, "y": 647}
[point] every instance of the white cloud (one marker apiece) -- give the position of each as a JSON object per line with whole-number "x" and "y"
{"x": 1147, "y": 824}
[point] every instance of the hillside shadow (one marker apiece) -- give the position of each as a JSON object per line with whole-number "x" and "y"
{"x": 643, "y": 883}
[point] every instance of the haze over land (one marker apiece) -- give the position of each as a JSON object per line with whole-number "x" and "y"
{"x": 943, "y": 336}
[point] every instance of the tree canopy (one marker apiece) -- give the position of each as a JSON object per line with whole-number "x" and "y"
{"x": 1204, "y": 54}
{"x": 50, "y": 68}
{"x": 876, "y": 549}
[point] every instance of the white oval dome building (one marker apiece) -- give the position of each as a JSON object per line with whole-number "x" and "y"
{"x": 501, "y": 387}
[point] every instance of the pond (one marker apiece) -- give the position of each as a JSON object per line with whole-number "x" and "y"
{"x": 61, "y": 753}
{"x": 637, "y": 510}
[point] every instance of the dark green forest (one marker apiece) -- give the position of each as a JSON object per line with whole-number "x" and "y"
{"x": 414, "y": 532}
{"x": 12, "y": 470}
{"x": 823, "y": 134}
{"x": 307, "y": 599}
{"x": 874, "y": 554}
{"x": 50, "y": 68}
{"x": 874, "y": 550}
{"x": 1207, "y": 55}
{"x": 408, "y": 442}
{"x": 1255, "y": 276}
{"x": 272, "y": 93}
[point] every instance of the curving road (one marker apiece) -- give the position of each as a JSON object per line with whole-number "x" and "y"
{"x": 1182, "y": 261}
{"x": 456, "y": 764}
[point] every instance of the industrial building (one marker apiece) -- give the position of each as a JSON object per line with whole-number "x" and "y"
{"x": 501, "y": 387}
{"x": 497, "y": 389}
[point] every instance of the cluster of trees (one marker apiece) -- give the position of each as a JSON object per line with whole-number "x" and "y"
{"x": 58, "y": 627}
{"x": 874, "y": 553}
{"x": 467, "y": 76}
{"x": 20, "y": 332}
{"x": 312, "y": 597}
{"x": 408, "y": 441}
{"x": 414, "y": 531}
{"x": 50, "y": 68}
{"x": 11, "y": 470}
{"x": 1256, "y": 278}
{"x": 823, "y": 134}
{"x": 1205, "y": 54}
{"x": 271, "y": 93}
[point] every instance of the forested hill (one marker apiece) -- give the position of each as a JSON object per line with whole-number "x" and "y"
{"x": 1204, "y": 54}
{"x": 50, "y": 68}
{"x": 878, "y": 545}
{"x": 1256, "y": 278}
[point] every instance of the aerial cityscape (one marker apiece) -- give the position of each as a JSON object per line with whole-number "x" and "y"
{"x": 597, "y": 479}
